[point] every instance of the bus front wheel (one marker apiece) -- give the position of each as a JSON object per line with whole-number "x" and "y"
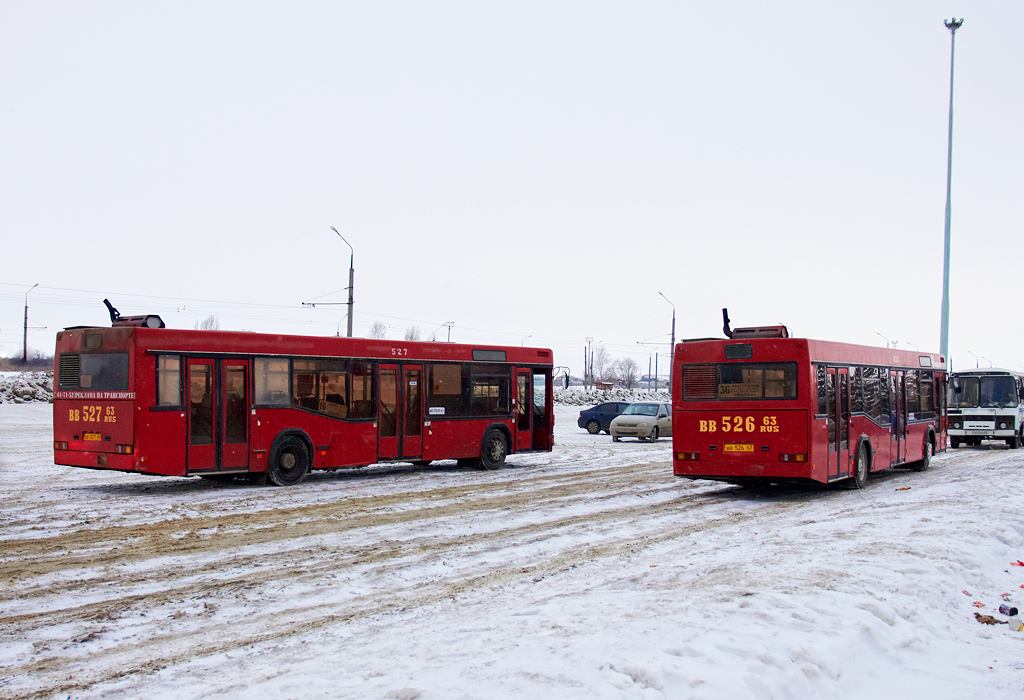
{"x": 495, "y": 449}
{"x": 954, "y": 442}
{"x": 289, "y": 462}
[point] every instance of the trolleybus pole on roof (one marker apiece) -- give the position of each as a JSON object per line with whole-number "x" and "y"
{"x": 952, "y": 25}
{"x": 351, "y": 278}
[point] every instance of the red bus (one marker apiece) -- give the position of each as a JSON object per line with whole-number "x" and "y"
{"x": 142, "y": 398}
{"x": 762, "y": 407}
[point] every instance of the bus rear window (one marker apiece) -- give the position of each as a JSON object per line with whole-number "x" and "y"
{"x": 107, "y": 372}
{"x": 739, "y": 381}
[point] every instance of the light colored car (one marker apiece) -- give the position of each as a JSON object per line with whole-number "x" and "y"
{"x": 645, "y": 421}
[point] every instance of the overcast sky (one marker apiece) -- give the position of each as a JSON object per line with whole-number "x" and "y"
{"x": 531, "y": 171}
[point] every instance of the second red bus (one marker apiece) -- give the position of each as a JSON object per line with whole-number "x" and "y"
{"x": 762, "y": 407}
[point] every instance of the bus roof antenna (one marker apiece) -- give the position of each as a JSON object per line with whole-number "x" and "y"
{"x": 725, "y": 321}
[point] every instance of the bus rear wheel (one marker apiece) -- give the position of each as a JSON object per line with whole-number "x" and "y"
{"x": 926, "y": 461}
{"x": 289, "y": 462}
{"x": 860, "y": 468}
{"x": 495, "y": 449}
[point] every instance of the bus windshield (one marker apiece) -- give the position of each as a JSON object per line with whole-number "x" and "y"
{"x": 985, "y": 392}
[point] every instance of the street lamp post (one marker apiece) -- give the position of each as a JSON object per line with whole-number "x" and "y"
{"x": 672, "y": 347}
{"x": 351, "y": 278}
{"x": 24, "y": 349}
{"x": 952, "y": 25}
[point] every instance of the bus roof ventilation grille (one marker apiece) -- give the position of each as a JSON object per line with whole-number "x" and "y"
{"x": 700, "y": 382}
{"x": 761, "y": 332}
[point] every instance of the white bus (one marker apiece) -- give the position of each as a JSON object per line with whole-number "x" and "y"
{"x": 986, "y": 404}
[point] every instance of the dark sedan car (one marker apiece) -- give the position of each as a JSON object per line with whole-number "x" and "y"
{"x": 597, "y": 418}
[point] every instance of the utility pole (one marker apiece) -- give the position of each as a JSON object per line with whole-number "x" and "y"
{"x": 351, "y": 278}
{"x": 952, "y": 25}
{"x": 672, "y": 347}
{"x": 24, "y": 356}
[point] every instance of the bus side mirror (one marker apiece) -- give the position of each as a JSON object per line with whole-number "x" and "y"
{"x": 956, "y": 384}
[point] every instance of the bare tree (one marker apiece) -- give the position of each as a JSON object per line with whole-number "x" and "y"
{"x": 378, "y": 330}
{"x": 601, "y": 362}
{"x": 627, "y": 371}
{"x": 210, "y": 323}
{"x": 412, "y": 333}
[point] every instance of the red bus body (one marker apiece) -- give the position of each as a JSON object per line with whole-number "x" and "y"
{"x": 212, "y": 403}
{"x": 764, "y": 409}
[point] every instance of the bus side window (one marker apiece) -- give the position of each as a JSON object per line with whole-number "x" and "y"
{"x": 822, "y": 405}
{"x": 168, "y": 380}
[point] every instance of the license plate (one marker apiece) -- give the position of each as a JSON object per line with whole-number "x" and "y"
{"x": 738, "y": 447}
{"x": 91, "y": 436}
{"x": 979, "y": 432}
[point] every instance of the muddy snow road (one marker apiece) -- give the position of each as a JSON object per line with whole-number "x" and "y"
{"x": 587, "y": 572}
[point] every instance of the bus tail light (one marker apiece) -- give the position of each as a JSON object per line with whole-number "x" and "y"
{"x": 688, "y": 456}
{"x": 60, "y": 445}
{"x": 123, "y": 449}
{"x": 789, "y": 457}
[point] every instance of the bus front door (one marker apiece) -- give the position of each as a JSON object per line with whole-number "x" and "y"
{"x": 524, "y": 409}
{"x": 400, "y": 412}
{"x": 218, "y": 415}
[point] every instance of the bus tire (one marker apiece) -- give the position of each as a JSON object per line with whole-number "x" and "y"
{"x": 593, "y": 427}
{"x": 926, "y": 461}
{"x": 1014, "y": 442}
{"x": 860, "y": 468}
{"x": 954, "y": 442}
{"x": 494, "y": 451}
{"x": 289, "y": 462}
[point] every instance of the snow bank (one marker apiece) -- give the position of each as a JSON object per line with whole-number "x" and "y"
{"x": 26, "y": 387}
{"x": 578, "y": 396}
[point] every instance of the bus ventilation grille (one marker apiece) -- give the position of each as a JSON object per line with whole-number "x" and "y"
{"x": 68, "y": 374}
{"x": 700, "y": 382}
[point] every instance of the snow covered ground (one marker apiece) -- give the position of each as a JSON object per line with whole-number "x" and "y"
{"x": 590, "y": 572}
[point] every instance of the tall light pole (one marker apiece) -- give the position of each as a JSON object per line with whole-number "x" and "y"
{"x": 24, "y": 349}
{"x": 672, "y": 347}
{"x": 351, "y": 278}
{"x": 952, "y": 25}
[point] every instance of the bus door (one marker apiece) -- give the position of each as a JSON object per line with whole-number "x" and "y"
{"x": 400, "y": 412}
{"x": 524, "y": 410}
{"x": 412, "y": 417}
{"x": 837, "y": 393}
{"x": 218, "y": 415}
{"x": 541, "y": 416}
{"x": 898, "y": 402}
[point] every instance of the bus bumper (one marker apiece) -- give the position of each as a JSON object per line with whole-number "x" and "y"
{"x": 94, "y": 460}
{"x": 740, "y": 471}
